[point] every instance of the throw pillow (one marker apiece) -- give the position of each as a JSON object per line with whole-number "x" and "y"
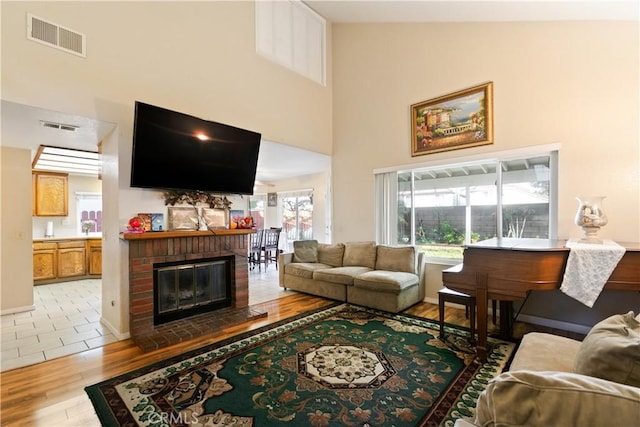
{"x": 361, "y": 254}
{"x": 331, "y": 254}
{"x": 611, "y": 350}
{"x": 305, "y": 251}
{"x": 400, "y": 258}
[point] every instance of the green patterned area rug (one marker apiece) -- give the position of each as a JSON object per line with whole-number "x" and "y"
{"x": 338, "y": 366}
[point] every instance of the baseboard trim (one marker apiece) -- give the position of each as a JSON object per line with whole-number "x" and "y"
{"x": 17, "y": 310}
{"x": 114, "y": 331}
{"x": 556, "y": 324}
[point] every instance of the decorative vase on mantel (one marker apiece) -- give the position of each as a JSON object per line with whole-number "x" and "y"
{"x": 590, "y": 217}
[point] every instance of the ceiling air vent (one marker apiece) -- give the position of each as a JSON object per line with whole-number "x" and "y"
{"x": 60, "y": 126}
{"x": 54, "y": 35}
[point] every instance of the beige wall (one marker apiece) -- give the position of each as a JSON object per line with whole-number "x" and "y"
{"x": 198, "y": 58}
{"x": 16, "y": 260}
{"x": 573, "y": 83}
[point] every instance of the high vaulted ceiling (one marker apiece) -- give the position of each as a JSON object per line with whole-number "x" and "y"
{"x": 352, "y": 11}
{"x": 22, "y": 125}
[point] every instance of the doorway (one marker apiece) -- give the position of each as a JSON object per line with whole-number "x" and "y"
{"x": 297, "y": 216}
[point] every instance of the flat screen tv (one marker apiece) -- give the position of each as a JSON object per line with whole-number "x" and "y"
{"x": 176, "y": 151}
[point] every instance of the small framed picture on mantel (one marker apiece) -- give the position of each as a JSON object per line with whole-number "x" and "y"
{"x": 157, "y": 222}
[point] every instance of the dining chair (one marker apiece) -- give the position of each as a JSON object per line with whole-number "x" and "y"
{"x": 270, "y": 245}
{"x": 255, "y": 249}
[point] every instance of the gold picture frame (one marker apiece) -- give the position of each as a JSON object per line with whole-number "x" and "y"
{"x": 458, "y": 120}
{"x": 183, "y": 218}
{"x": 216, "y": 218}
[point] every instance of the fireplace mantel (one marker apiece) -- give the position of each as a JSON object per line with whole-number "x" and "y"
{"x": 194, "y": 233}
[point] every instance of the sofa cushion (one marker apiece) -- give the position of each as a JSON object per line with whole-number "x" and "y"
{"x": 611, "y": 350}
{"x": 331, "y": 254}
{"x": 305, "y": 251}
{"x": 385, "y": 281}
{"x": 549, "y": 398}
{"x": 304, "y": 269}
{"x": 340, "y": 275}
{"x": 539, "y": 351}
{"x": 361, "y": 254}
{"x": 401, "y": 258}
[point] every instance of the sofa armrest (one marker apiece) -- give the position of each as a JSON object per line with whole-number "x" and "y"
{"x": 284, "y": 258}
{"x": 545, "y": 398}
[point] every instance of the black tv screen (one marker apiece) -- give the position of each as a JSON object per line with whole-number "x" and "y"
{"x": 176, "y": 151}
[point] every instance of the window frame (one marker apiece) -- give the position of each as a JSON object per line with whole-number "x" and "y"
{"x": 386, "y": 191}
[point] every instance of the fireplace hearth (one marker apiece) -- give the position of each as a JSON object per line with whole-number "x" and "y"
{"x": 191, "y": 312}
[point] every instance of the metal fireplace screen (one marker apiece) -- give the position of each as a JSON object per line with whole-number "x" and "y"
{"x": 183, "y": 290}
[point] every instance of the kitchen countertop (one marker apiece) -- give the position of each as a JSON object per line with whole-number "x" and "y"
{"x": 64, "y": 238}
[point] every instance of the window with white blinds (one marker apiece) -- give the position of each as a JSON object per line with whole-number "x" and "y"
{"x": 291, "y": 34}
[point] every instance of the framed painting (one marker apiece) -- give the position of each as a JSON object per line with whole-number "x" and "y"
{"x": 458, "y": 120}
{"x": 272, "y": 199}
{"x": 183, "y": 218}
{"x": 146, "y": 218}
{"x": 157, "y": 222}
{"x": 216, "y": 218}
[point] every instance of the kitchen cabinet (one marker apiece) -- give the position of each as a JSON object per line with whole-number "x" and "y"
{"x": 66, "y": 259}
{"x": 50, "y": 194}
{"x": 45, "y": 261}
{"x": 94, "y": 256}
{"x": 72, "y": 258}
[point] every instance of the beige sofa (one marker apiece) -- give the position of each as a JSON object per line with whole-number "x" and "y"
{"x": 377, "y": 276}
{"x": 557, "y": 381}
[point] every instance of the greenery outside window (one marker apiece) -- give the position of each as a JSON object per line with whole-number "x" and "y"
{"x": 443, "y": 208}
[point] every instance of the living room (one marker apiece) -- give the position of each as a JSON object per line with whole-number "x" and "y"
{"x": 573, "y": 83}
{"x": 572, "y": 74}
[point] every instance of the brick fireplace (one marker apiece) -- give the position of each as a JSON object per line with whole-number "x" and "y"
{"x": 147, "y": 249}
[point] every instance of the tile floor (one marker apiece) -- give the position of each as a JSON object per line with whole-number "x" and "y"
{"x": 67, "y": 319}
{"x": 263, "y": 285}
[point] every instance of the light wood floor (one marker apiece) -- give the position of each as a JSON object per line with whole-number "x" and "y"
{"x": 52, "y": 393}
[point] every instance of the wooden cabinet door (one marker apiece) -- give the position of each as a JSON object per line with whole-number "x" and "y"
{"x": 94, "y": 263}
{"x": 72, "y": 259}
{"x": 51, "y": 194}
{"x": 44, "y": 261}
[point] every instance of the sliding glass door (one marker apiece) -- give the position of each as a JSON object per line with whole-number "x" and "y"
{"x": 297, "y": 216}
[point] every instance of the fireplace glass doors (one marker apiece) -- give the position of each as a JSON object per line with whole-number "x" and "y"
{"x": 186, "y": 289}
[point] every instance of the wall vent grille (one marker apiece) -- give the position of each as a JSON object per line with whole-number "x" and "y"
{"x": 54, "y": 35}
{"x": 60, "y": 126}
